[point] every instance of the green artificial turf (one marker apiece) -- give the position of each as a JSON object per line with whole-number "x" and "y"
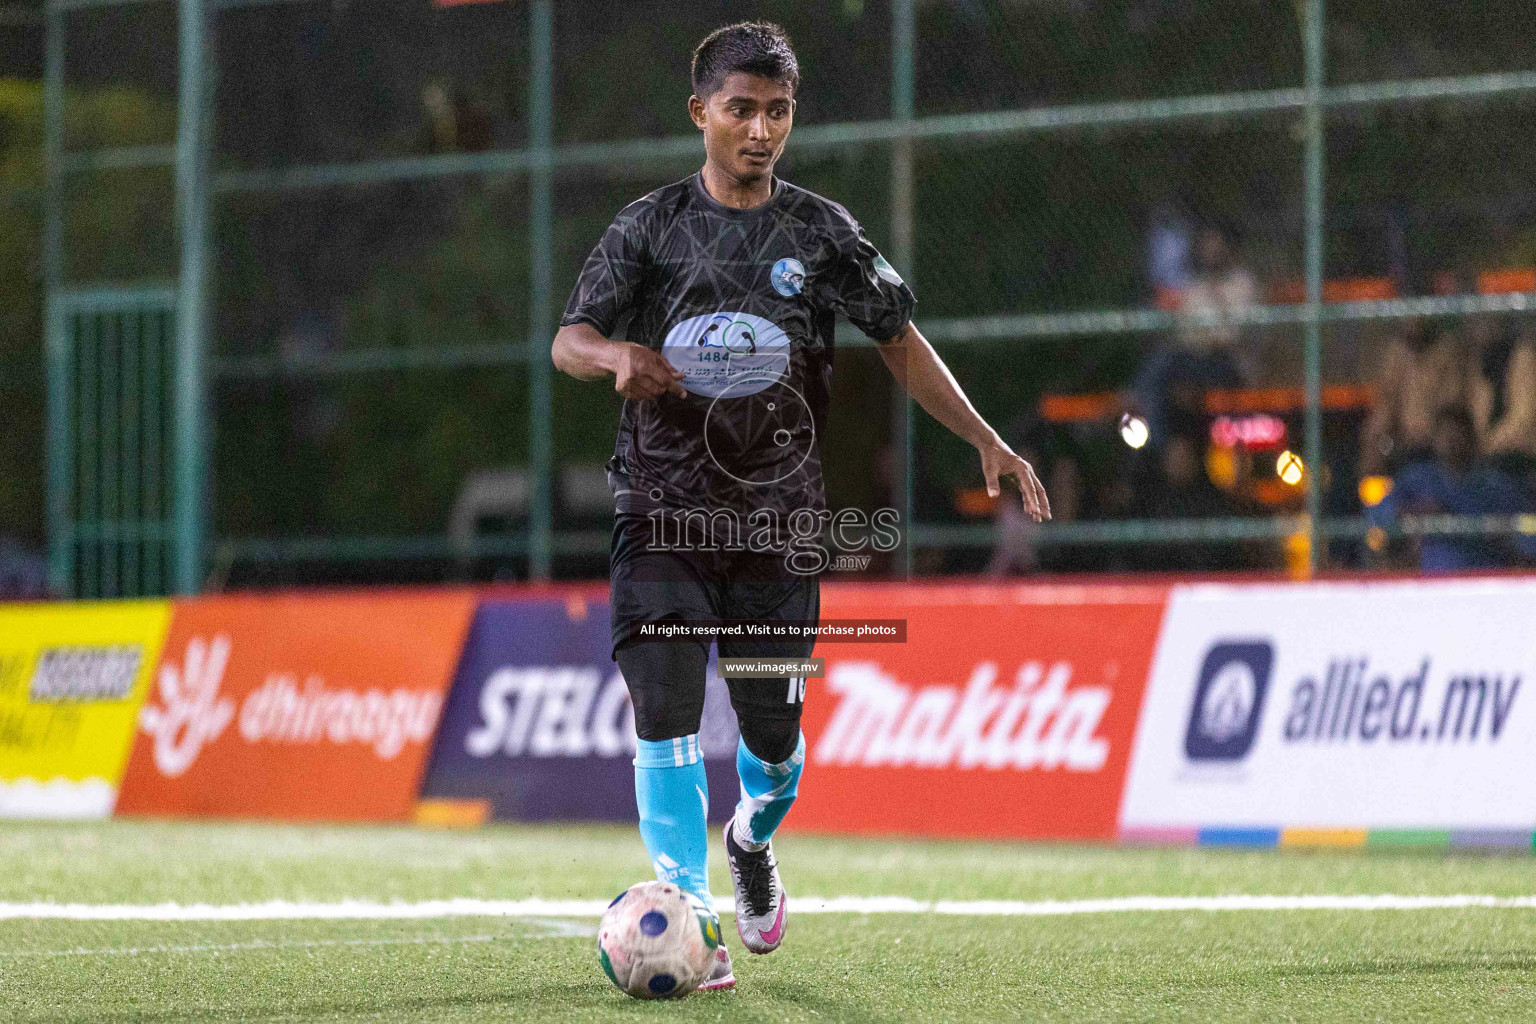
{"x": 1422, "y": 965}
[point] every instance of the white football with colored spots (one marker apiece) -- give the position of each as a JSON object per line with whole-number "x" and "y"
{"x": 657, "y": 941}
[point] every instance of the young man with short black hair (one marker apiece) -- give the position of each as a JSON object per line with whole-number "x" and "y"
{"x": 728, "y": 285}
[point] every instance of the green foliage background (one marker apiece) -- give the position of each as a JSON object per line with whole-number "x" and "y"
{"x": 1047, "y": 223}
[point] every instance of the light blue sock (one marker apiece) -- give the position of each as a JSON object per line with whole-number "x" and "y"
{"x": 767, "y": 791}
{"x": 672, "y": 794}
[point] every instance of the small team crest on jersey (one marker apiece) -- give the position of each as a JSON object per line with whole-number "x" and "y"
{"x": 886, "y": 271}
{"x": 788, "y": 276}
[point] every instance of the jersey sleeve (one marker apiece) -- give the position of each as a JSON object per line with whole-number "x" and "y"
{"x": 612, "y": 277}
{"x": 863, "y": 286}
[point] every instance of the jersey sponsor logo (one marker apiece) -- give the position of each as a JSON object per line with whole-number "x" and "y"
{"x": 1041, "y": 722}
{"x": 788, "y": 277}
{"x": 739, "y": 353}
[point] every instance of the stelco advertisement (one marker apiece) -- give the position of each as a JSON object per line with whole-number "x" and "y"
{"x": 540, "y": 724}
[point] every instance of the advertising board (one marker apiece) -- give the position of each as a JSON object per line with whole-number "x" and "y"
{"x": 1340, "y": 706}
{"x": 72, "y": 677}
{"x": 1008, "y": 712}
{"x": 296, "y": 706}
{"x": 540, "y": 726}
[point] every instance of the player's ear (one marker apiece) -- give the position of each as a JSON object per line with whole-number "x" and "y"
{"x": 696, "y": 111}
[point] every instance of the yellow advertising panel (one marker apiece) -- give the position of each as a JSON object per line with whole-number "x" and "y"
{"x": 72, "y": 678}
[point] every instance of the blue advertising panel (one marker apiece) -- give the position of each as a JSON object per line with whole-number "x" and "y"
{"x": 539, "y": 722}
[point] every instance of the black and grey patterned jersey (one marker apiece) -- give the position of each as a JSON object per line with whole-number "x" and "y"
{"x": 744, "y": 303}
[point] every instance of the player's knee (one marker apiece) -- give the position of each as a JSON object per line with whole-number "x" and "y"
{"x": 771, "y": 740}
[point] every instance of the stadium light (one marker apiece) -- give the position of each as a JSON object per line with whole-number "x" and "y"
{"x": 1374, "y": 490}
{"x": 1289, "y": 467}
{"x": 1134, "y": 431}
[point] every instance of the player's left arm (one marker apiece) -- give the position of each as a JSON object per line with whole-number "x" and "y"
{"x": 918, "y": 369}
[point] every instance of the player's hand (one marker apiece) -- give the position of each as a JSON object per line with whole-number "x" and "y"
{"x": 999, "y": 461}
{"x": 642, "y": 374}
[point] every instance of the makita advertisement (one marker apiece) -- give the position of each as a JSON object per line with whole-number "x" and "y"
{"x": 1402, "y": 705}
{"x": 539, "y": 721}
{"x": 1009, "y": 711}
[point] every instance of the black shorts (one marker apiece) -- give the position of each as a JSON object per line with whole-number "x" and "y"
{"x": 648, "y": 586}
{"x": 666, "y": 678}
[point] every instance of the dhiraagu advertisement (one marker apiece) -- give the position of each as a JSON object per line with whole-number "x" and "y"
{"x": 72, "y": 678}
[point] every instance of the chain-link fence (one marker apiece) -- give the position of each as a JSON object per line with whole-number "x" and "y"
{"x": 1228, "y": 220}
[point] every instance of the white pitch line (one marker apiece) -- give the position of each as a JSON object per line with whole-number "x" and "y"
{"x": 240, "y": 947}
{"x": 547, "y": 928}
{"x": 359, "y": 910}
{"x": 1141, "y": 904}
{"x": 283, "y": 910}
{"x": 555, "y": 928}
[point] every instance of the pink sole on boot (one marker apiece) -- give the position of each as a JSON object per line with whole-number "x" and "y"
{"x": 722, "y": 977}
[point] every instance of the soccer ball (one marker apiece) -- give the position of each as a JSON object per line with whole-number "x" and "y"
{"x": 657, "y": 941}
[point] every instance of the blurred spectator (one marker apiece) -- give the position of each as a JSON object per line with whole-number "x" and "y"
{"x": 23, "y": 572}
{"x": 1450, "y": 483}
{"x": 421, "y": 210}
{"x": 1064, "y": 488}
{"x": 312, "y": 414}
{"x": 1503, "y": 398}
{"x": 1222, "y": 287}
{"x": 1206, "y": 351}
{"x": 1014, "y": 551}
{"x": 452, "y": 123}
{"x": 1168, "y": 248}
{"x": 1423, "y": 372}
{"x": 1014, "y": 548}
{"x": 1184, "y": 491}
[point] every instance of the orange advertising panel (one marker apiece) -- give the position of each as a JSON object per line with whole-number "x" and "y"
{"x": 294, "y": 706}
{"x": 1009, "y": 711}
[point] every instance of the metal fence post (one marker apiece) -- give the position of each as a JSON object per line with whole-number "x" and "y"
{"x": 53, "y": 147}
{"x": 1316, "y": 140}
{"x": 190, "y": 422}
{"x": 541, "y": 325}
{"x": 60, "y": 539}
{"x": 903, "y": 75}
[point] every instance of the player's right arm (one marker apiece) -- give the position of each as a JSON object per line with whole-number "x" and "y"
{"x": 638, "y": 372}
{"x": 611, "y": 284}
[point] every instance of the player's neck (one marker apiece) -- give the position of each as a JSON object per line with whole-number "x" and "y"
{"x": 735, "y": 193}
